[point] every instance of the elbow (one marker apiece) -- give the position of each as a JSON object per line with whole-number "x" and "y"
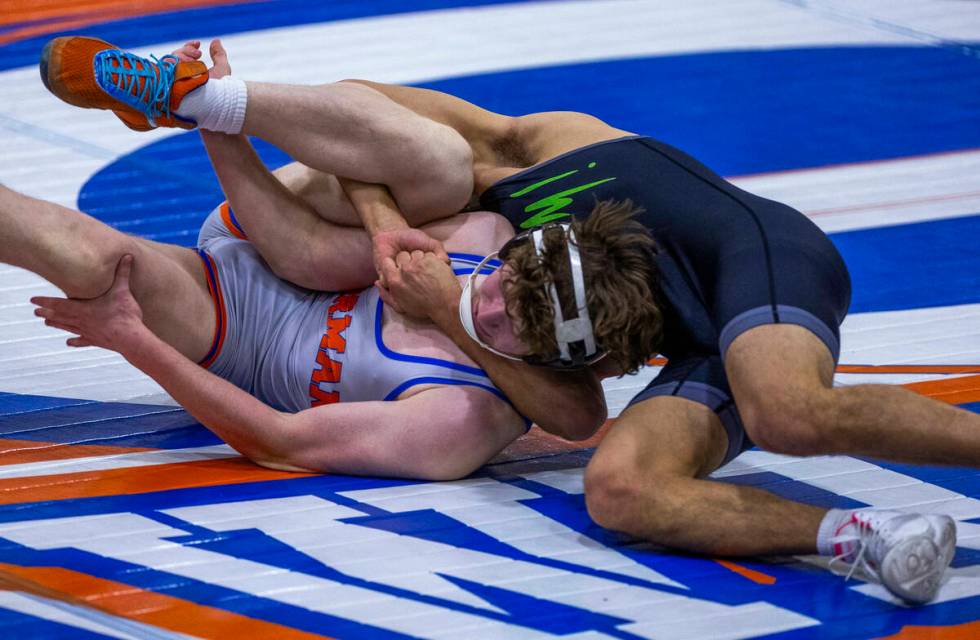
{"x": 585, "y": 421}
{"x": 444, "y": 473}
{"x": 585, "y": 428}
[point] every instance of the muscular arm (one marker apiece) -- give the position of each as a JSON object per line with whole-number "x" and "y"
{"x": 570, "y": 404}
{"x": 437, "y": 434}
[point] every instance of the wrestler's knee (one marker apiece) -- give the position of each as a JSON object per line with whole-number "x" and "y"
{"x": 440, "y": 181}
{"x": 792, "y": 422}
{"x": 93, "y": 265}
{"x": 617, "y": 496}
{"x": 609, "y": 495}
{"x": 638, "y": 506}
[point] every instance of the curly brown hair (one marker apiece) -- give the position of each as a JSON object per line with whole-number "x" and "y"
{"x": 621, "y": 280}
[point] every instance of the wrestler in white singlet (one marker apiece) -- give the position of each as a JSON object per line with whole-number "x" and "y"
{"x": 294, "y": 348}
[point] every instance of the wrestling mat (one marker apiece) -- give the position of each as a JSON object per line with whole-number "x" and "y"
{"x": 121, "y": 517}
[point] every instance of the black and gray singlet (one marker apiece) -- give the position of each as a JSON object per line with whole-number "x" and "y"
{"x": 728, "y": 260}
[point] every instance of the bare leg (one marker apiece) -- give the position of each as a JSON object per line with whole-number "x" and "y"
{"x": 322, "y": 191}
{"x": 646, "y": 480}
{"x": 79, "y": 255}
{"x": 351, "y": 130}
{"x": 781, "y": 377}
{"x": 298, "y": 243}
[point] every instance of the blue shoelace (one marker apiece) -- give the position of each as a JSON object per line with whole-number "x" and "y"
{"x": 153, "y": 98}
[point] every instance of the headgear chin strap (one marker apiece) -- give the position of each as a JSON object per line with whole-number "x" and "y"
{"x": 576, "y": 341}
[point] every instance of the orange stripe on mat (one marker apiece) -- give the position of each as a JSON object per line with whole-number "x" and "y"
{"x": 755, "y": 576}
{"x": 129, "y": 481}
{"x": 204, "y": 473}
{"x": 148, "y": 607}
{"x": 954, "y": 391}
{"x": 909, "y": 368}
{"x": 27, "y": 18}
{"x": 21, "y": 451}
{"x": 965, "y": 631}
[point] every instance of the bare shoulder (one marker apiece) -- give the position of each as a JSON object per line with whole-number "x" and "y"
{"x": 482, "y": 406}
{"x": 479, "y": 232}
{"x": 552, "y": 133}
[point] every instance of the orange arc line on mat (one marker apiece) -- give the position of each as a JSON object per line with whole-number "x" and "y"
{"x": 882, "y": 368}
{"x": 129, "y": 481}
{"x": 755, "y": 576}
{"x": 27, "y": 18}
{"x": 965, "y": 631}
{"x": 147, "y": 607}
{"x": 24, "y": 451}
{"x": 908, "y": 368}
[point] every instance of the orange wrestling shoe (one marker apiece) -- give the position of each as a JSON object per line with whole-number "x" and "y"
{"x": 143, "y": 92}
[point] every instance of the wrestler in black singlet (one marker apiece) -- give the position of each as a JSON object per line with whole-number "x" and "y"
{"x": 728, "y": 260}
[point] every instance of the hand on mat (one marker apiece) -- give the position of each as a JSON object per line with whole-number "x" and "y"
{"x": 113, "y": 321}
{"x": 419, "y": 284}
{"x": 219, "y": 57}
{"x": 389, "y": 244}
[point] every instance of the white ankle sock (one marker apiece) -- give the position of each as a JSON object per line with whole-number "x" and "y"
{"x": 835, "y": 523}
{"x": 218, "y": 105}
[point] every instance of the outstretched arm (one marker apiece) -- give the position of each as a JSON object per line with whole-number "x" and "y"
{"x": 437, "y": 434}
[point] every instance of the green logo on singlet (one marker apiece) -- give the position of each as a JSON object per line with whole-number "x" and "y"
{"x": 549, "y": 208}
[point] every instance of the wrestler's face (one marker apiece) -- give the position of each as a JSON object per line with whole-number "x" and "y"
{"x": 490, "y": 318}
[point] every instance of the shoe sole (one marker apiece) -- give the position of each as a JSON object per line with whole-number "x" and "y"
{"x": 917, "y": 580}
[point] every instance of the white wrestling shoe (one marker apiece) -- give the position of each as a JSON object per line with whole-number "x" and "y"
{"x": 906, "y": 552}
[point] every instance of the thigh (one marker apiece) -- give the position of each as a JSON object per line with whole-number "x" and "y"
{"x": 320, "y": 190}
{"x": 781, "y": 377}
{"x": 777, "y": 357}
{"x": 171, "y": 286}
{"x": 700, "y": 380}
